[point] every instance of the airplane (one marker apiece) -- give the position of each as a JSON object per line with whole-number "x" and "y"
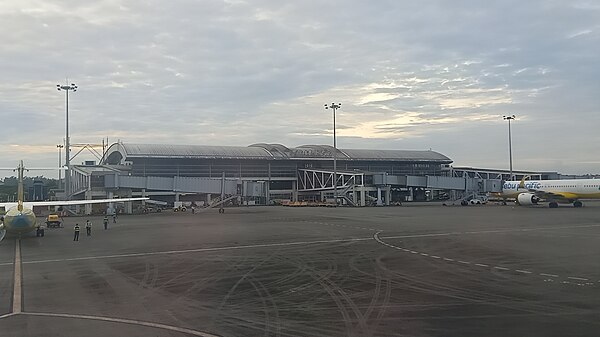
{"x": 20, "y": 218}
{"x": 531, "y": 192}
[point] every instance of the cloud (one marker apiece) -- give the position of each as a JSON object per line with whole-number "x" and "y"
{"x": 237, "y": 72}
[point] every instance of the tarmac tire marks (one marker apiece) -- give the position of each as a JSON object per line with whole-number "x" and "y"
{"x": 265, "y": 298}
{"x": 516, "y": 305}
{"x": 378, "y": 300}
{"x": 576, "y": 280}
{"x": 150, "y": 275}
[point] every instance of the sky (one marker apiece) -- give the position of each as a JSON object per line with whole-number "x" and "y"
{"x": 417, "y": 75}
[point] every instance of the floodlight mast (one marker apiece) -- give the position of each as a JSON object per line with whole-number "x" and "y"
{"x": 66, "y": 88}
{"x": 510, "y": 118}
{"x": 59, "y": 147}
{"x": 334, "y": 107}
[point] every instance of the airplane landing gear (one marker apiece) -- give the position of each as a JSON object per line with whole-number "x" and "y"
{"x": 577, "y": 204}
{"x": 553, "y": 204}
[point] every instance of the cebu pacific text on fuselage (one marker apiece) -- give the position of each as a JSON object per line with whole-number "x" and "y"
{"x": 530, "y": 185}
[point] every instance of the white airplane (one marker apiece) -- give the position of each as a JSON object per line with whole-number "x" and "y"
{"x": 19, "y": 217}
{"x": 531, "y": 192}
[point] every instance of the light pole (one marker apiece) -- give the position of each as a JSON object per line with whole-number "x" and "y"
{"x": 334, "y": 107}
{"x": 59, "y": 146}
{"x": 66, "y": 88}
{"x": 510, "y": 118}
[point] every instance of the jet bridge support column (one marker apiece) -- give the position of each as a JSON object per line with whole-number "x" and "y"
{"x": 268, "y": 188}
{"x": 88, "y": 207}
{"x": 88, "y": 194}
{"x": 379, "y": 201}
{"x": 388, "y": 195}
{"x": 294, "y": 190}
{"x": 363, "y": 197}
{"x": 111, "y": 207}
{"x": 129, "y": 204}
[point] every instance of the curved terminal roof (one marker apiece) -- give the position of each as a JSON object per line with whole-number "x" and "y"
{"x": 119, "y": 152}
{"x": 183, "y": 151}
{"x": 396, "y": 155}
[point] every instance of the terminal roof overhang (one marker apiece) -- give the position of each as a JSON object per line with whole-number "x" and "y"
{"x": 119, "y": 152}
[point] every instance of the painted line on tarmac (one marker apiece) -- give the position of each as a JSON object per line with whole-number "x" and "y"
{"x": 419, "y": 235}
{"x": 198, "y": 250}
{"x": 17, "y": 304}
{"x": 502, "y": 230}
{"x": 491, "y": 231}
{"x": 521, "y": 271}
{"x": 124, "y": 321}
{"x": 341, "y": 225}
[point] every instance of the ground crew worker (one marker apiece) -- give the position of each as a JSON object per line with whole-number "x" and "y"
{"x": 88, "y": 227}
{"x": 115, "y": 217}
{"x": 106, "y": 222}
{"x": 76, "y": 237}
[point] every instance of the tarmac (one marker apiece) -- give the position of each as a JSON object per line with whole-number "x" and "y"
{"x": 412, "y": 270}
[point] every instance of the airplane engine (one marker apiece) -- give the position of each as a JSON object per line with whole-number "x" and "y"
{"x": 527, "y": 199}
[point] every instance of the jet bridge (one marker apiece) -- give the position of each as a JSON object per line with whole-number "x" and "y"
{"x": 321, "y": 180}
{"x": 360, "y": 188}
{"x": 176, "y": 184}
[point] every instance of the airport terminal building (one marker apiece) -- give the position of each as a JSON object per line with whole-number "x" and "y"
{"x": 271, "y": 173}
{"x": 267, "y": 160}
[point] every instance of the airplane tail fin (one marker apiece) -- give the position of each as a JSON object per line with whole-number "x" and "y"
{"x": 522, "y": 183}
{"x": 20, "y": 170}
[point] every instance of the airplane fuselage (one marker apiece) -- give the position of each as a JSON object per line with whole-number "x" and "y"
{"x": 573, "y": 189}
{"x": 19, "y": 222}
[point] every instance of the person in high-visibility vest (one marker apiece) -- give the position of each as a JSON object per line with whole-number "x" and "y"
{"x": 76, "y": 236}
{"x": 88, "y": 227}
{"x": 106, "y": 222}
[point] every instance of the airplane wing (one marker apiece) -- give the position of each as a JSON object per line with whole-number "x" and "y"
{"x": 7, "y": 205}
{"x": 544, "y": 195}
{"x": 31, "y": 204}
{"x": 79, "y": 202}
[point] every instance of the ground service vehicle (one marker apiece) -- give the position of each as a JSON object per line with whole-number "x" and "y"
{"x": 53, "y": 220}
{"x": 178, "y": 206}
